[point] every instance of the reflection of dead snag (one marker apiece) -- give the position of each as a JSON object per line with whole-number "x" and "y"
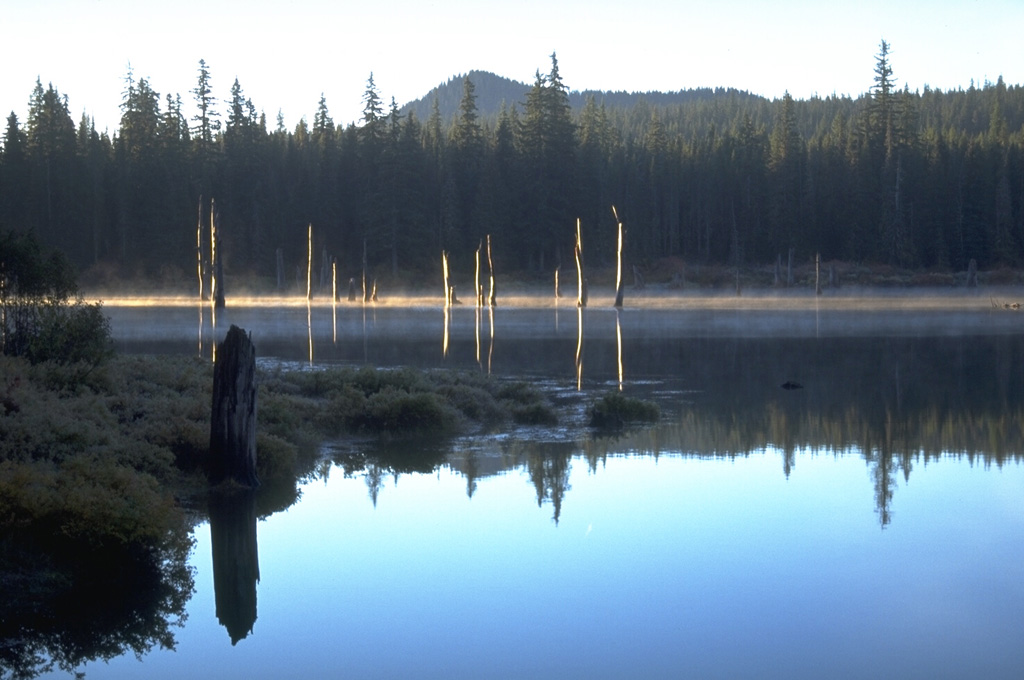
{"x": 236, "y": 566}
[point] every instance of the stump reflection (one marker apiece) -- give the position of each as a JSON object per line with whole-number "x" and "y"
{"x": 236, "y": 567}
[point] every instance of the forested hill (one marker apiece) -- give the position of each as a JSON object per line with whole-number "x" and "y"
{"x": 925, "y": 180}
{"x": 493, "y": 91}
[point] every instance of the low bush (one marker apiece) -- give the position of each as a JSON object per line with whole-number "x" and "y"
{"x": 42, "y": 316}
{"x": 395, "y": 412}
{"x": 615, "y": 410}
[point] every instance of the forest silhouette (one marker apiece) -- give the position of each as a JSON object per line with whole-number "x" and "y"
{"x": 910, "y": 179}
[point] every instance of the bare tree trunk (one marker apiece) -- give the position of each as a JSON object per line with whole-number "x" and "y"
{"x": 366, "y": 292}
{"x": 216, "y": 259}
{"x": 309, "y": 263}
{"x": 638, "y": 278}
{"x": 618, "y": 266}
{"x": 199, "y": 248}
{"x": 233, "y": 415}
{"x": 478, "y": 290}
{"x": 817, "y": 273}
{"x": 279, "y": 256}
{"x": 334, "y": 279}
{"x": 493, "y": 298}
{"x": 447, "y": 285}
{"x": 581, "y": 291}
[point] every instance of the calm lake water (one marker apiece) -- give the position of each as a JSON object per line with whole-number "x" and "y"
{"x": 868, "y": 523}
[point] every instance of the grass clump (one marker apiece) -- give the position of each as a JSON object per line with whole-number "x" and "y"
{"x": 616, "y": 410}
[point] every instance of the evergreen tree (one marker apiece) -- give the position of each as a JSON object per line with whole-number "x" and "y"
{"x": 50, "y": 143}
{"x": 204, "y": 131}
{"x": 786, "y": 163}
{"x": 206, "y": 120}
{"x": 14, "y": 177}
{"x": 466, "y": 158}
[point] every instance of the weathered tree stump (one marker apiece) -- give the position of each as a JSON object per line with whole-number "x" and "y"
{"x": 233, "y": 416}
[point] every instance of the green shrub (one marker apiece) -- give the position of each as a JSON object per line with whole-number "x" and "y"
{"x": 395, "y": 412}
{"x": 43, "y": 318}
{"x": 275, "y": 457}
{"x": 536, "y": 413}
{"x": 615, "y": 410}
{"x": 474, "y": 402}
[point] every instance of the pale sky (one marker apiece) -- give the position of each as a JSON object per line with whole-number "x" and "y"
{"x": 286, "y": 53}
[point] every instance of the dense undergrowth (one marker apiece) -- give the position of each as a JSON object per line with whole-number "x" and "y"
{"x": 111, "y": 450}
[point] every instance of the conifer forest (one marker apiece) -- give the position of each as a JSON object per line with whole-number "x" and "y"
{"x": 915, "y": 179}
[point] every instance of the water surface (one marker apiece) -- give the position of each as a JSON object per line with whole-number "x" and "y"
{"x": 867, "y": 523}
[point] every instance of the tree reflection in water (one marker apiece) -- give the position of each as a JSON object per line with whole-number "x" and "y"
{"x": 63, "y": 608}
{"x": 892, "y": 401}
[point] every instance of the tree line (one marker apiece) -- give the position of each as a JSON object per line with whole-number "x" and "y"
{"x": 926, "y": 179}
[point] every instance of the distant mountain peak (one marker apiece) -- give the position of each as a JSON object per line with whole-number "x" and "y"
{"x": 493, "y": 91}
